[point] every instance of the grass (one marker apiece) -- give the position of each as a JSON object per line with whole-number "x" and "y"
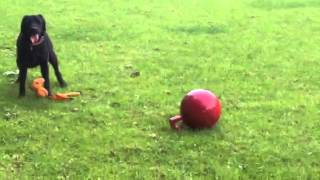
{"x": 261, "y": 57}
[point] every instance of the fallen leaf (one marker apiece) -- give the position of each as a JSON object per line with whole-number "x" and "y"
{"x": 135, "y": 74}
{"x": 11, "y": 73}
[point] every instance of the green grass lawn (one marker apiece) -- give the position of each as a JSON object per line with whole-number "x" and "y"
{"x": 261, "y": 57}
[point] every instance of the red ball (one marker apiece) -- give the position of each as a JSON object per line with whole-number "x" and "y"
{"x": 200, "y": 109}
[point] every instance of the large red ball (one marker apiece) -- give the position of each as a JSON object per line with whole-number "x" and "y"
{"x": 200, "y": 109}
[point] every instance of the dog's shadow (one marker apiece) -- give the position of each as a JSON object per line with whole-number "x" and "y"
{"x": 9, "y": 98}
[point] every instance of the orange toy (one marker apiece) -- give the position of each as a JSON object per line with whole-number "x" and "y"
{"x": 37, "y": 86}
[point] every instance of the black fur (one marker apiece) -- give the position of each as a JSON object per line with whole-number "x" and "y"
{"x": 31, "y": 54}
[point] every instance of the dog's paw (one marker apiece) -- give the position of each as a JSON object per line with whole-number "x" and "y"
{"x": 63, "y": 84}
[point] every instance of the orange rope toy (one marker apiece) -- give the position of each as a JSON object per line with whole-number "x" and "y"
{"x": 37, "y": 86}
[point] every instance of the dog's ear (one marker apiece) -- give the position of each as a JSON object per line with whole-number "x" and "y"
{"x": 44, "y": 28}
{"x": 23, "y": 22}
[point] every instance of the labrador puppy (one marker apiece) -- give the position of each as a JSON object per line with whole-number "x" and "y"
{"x": 34, "y": 48}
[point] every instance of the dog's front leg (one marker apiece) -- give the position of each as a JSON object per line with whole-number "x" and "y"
{"x": 45, "y": 74}
{"x": 22, "y": 80}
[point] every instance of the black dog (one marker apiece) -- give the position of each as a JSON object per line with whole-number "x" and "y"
{"x": 34, "y": 48}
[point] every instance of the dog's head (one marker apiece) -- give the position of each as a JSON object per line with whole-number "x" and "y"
{"x": 33, "y": 28}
